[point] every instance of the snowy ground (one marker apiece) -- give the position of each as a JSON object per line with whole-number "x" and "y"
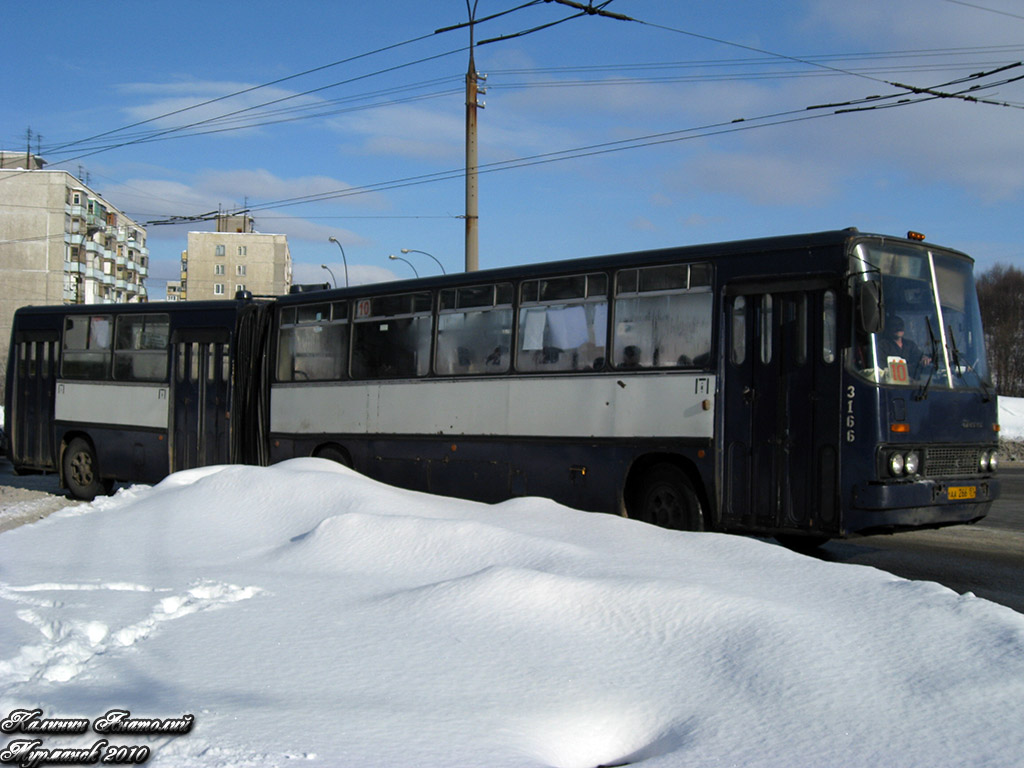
{"x": 304, "y": 613}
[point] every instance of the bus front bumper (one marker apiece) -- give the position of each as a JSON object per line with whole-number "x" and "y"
{"x": 921, "y": 503}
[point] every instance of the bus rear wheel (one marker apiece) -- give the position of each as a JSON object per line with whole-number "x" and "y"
{"x": 81, "y": 470}
{"x": 666, "y": 498}
{"x": 334, "y": 453}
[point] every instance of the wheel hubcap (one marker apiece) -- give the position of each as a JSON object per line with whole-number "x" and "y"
{"x": 81, "y": 469}
{"x": 664, "y": 506}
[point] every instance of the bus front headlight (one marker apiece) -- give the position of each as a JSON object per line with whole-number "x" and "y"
{"x": 912, "y": 463}
{"x": 896, "y": 465}
{"x": 984, "y": 461}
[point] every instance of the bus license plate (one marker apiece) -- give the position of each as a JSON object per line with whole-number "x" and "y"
{"x": 961, "y": 492}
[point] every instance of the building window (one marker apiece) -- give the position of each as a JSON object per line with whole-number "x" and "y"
{"x": 219, "y": 250}
{"x": 218, "y": 289}
{"x": 239, "y": 287}
{"x": 241, "y": 251}
{"x": 218, "y": 269}
{"x": 240, "y": 270}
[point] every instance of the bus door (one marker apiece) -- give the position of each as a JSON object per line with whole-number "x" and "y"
{"x": 781, "y": 411}
{"x": 31, "y": 424}
{"x": 201, "y": 405}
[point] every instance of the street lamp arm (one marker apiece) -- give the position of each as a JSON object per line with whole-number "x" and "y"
{"x": 343, "y": 259}
{"x": 439, "y": 264}
{"x": 399, "y": 258}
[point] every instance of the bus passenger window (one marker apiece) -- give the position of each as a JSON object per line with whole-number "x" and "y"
{"x": 87, "y": 346}
{"x": 474, "y": 330}
{"x": 313, "y": 342}
{"x": 391, "y": 337}
{"x": 140, "y": 347}
{"x": 661, "y": 321}
{"x": 563, "y": 324}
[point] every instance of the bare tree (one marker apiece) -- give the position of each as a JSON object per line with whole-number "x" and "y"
{"x": 1001, "y": 295}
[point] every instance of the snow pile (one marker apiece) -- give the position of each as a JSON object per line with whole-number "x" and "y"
{"x": 1011, "y": 418}
{"x": 304, "y": 612}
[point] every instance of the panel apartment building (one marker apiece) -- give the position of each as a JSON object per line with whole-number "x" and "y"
{"x": 234, "y": 258}
{"x": 62, "y": 243}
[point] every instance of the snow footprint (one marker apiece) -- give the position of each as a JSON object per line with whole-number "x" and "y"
{"x": 68, "y": 643}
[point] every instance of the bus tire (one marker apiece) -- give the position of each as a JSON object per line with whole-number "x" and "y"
{"x": 666, "y": 498}
{"x": 81, "y": 470}
{"x": 333, "y": 453}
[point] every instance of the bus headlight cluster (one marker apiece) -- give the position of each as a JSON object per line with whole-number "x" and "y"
{"x": 988, "y": 461}
{"x": 902, "y": 464}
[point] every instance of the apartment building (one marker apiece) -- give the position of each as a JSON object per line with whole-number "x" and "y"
{"x": 219, "y": 264}
{"x": 62, "y": 243}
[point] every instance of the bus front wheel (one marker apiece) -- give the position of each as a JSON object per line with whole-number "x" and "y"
{"x": 666, "y": 497}
{"x": 81, "y": 470}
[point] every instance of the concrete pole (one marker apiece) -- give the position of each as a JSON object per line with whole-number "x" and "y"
{"x": 472, "y": 216}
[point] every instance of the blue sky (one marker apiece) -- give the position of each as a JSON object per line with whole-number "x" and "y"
{"x": 947, "y": 167}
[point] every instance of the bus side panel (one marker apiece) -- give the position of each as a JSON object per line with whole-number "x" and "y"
{"x": 586, "y": 475}
{"x": 126, "y": 424}
{"x": 125, "y": 454}
{"x": 490, "y": 440}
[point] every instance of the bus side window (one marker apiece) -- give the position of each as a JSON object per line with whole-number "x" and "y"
{"x": 391, "y": 338}
{"x": 663, "y": 317}
{"x": 474, "y": 330}
{"x": 140, "y": 347}
{"x": 313, "y": 342}
{"x": 563, "y": 324}
{"x": 86, "y": 342}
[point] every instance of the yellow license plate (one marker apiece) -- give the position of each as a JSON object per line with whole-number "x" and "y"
{"x": 960, "y": 492}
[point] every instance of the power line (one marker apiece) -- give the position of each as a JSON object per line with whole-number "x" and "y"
{"x": 719, "y": 128}
{"x": 983, "y": 8}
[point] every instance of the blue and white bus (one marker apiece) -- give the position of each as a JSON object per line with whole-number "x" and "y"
{"x": 755, "y": 386}
{"x": 132, "y": 392}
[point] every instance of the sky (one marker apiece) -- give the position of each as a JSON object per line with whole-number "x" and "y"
{"x": 302, "y": 614}
{"x": 687, "y": 123}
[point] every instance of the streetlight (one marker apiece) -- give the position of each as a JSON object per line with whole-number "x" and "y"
{"x": 413, "y": 250}
{"x": 343, "y": 259}
{"x": 399, "y": 258}
{"x": 324, "y": 266}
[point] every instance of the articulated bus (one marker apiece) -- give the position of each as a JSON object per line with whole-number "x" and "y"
{"x": 758, "y": 386}
{"x": 133, "y": 392}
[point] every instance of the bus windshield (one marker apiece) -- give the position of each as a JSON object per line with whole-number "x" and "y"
{"x": 932, "y": 334}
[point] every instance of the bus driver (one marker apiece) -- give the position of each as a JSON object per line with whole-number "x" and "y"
{"x": 893, "y": 344}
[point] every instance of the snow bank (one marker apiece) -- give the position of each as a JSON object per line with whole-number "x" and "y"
{"x": 304, "y": 612}
{"x": 1011, "y": 418}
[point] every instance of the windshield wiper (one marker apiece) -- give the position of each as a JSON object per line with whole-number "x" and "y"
{"x": 986, "y": 393}
{"x": 922, "y": 394}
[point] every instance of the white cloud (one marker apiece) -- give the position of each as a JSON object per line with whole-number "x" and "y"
{"x": 763, "y": 179}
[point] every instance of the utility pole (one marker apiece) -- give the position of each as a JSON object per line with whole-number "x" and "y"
{"x": 473, "y": 89}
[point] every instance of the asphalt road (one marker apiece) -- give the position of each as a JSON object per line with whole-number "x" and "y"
{"x": 986, "y": 558}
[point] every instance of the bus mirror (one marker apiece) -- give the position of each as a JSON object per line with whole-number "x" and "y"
{"x": 870, "y": 307}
